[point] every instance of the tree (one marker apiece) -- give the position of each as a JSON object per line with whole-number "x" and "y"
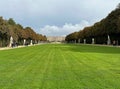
{"x": 100, "y": 30}
{"x": 118, "y": 6}
{"x": 11, "y": 21}
{"x": 10, "y": 28}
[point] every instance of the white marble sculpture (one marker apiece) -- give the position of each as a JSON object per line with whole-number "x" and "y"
{"x": 31, "y": 43}
{"x": 84, "y": 41}
{"x": 11, "y": 41}
{"x": 93, "y": 41}
{"x": 79, "y": 41}
{"x": 108, "y": 41}
{"x": 24, "y": 42}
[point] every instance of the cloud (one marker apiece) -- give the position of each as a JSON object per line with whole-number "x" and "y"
{"x": 64, "y": 30}
{"x": 53, "y": 14}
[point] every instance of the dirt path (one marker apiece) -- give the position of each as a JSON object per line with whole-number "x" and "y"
{"x": 7, "y": 48}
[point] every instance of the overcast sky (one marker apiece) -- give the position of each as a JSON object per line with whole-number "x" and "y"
{"x": 56, "y": 17}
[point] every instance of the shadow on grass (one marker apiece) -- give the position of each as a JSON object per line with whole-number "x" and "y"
{"x": 92, "y": 49}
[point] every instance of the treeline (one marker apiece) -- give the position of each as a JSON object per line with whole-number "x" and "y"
{"x": 10, "y": 28}
{"x": 109, "y": 26}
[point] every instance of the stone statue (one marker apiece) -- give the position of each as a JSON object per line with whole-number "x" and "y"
{"x": 24, "y": 42}
{"x": 11, "y": 41}
{"x": 31, "y": 43}
{"x": 84, "y": 41}
{"x": 108, "y": 41}
{"x": 93, "y": 41}
{"x": 79, "y": 41}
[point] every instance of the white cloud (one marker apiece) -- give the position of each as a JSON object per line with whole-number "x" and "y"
{"x": 64, "y": 30}
{"x": 53, "y": 14}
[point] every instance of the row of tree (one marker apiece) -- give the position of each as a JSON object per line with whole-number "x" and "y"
{"x": 9, "y": 28}
{"x": 100, "y": 30}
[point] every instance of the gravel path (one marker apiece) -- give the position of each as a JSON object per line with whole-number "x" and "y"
{"x": 7, "y": 48}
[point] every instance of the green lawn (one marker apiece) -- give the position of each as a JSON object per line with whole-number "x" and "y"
{"x": 60, "y": 66}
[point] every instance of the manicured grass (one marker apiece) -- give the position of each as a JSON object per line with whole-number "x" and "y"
{"x": 60, "y": 66}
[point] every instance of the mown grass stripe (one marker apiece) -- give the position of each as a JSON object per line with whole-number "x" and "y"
{"x": 60, "y": 66}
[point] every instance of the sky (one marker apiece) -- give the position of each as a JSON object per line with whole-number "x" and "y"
{"x": 56, "y": 17}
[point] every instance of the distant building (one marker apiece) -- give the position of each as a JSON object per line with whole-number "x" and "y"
{"x": 56, "y": 38}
